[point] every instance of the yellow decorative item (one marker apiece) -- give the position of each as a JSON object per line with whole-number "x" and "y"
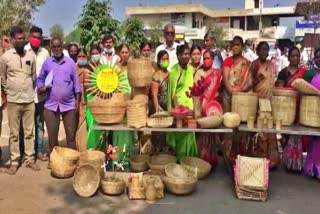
{"x": 107, "y": 81}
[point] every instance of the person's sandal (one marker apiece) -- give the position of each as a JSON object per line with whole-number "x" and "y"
{"x": 33, "y": 166}
{"x": 13, "y": 170}
{"x": 42, "y": 157}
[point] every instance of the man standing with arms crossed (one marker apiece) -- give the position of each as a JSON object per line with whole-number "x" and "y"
{"x": 18, "y": 74}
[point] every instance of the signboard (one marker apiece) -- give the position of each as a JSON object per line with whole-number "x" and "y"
{"x": 107, "y": 81}
{"x": 178, "y": 19}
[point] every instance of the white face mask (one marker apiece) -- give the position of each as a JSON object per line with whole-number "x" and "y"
{"x": 95, "y": 58}
{"x": 108, "y": 50}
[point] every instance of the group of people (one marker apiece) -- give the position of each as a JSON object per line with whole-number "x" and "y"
{"x": 38, "y": 88}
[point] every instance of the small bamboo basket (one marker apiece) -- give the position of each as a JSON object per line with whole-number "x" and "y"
{"x": 180, "y": 186}
{"x": 107, "y": 112}
{"x": 213, "y": 121}
{"x": 158, "y": 184}
{"x": 140, "y": 72}
{"x": 139, "y": 163}
{"x": 113, "y": 187}
{"x": 245, "y": 104}
{"x": 160, "y": 122}
{"x": 284, "y": 104}
{"x": 310, "y": 111}
{"x": 137, "y": 114}
{"x": 94, "y": 158}
{"x": 174, "y": 170}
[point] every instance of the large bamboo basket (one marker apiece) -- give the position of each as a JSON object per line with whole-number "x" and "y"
{"x": 62, "y": 169}
{"x": 284, "y": 104}
{"x": 137, "y": 114}
{"x": 86, "y": 180}
{"x": 107, "y": 112}
{"x": 245, "y": 104}
{"x": 69, "y": 156}
{"x": 197, "y": 166}
{"x": 174, "y": 170}
{"x": 158, "y": 162}
{"x": 310, "y": 111}
{"x": 94, "y": 158}
{"x": 140, "y": 72}
{"x": 180, "y": 186}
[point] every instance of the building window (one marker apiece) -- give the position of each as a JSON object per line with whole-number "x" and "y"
{"x": 256, "y": 3}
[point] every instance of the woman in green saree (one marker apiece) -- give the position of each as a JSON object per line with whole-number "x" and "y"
{"x": 124, "y": 138}
{"x": 180, "y": 79}
{"x": 93, "y": 137}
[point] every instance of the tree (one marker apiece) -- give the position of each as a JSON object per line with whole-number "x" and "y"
{"x": 56, "y": 30}
{"x": 96, "y": 20}
{"x": 219, "y": 34}
{"x": 73, "y": 36}
{"x": 155, "y": 34}
{"x": 17, "y": 12}
{"x": 134, "y": 34}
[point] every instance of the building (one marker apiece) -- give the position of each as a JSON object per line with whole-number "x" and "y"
{"x": 191, "y": 20}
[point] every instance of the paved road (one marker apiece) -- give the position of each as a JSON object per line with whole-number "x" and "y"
{"x": 31, "y": 192}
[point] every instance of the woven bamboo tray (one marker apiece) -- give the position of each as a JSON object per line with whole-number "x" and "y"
{"x": 245, "y": 104}
{"x": 174, "y": 170}
{"x": 86, "y": 180}
{"x": 197, "y": 166}
{"x": 245, "y": 193}
{"x": 158, "y": 162}
{"x": 310, "y": 111}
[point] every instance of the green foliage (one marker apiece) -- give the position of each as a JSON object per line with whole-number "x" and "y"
{"x": 56, "y": 31}
{"x": 134, "y": 34}
{"x": 96, "y": 20}
{"x": 73, "y": 36}
{"x": 155, "y": 34}
{"x": 17, "y": 12}
{"x": 219, "y": 33}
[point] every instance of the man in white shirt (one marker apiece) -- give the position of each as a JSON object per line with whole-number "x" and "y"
{"x": 170, "y": 46}
{"x": 108, "y": 55}
{"x": 41, "y": 55}
{"x": 248, "y": 53}
{"x": 284, "y": 58}
{"x": 304, "y": 56}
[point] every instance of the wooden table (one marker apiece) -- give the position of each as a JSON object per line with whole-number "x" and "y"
{"x": 124, "y": 128}
{"x": 290, "y": 130}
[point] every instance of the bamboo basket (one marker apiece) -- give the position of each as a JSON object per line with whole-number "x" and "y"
{"x": 158, "y": 184}
{"x": 305, "y": 88}
{"x": 231, "y": 120}
{"x": 255, "y": 194}
{"x": 113, "y": 187}
{"x": 140, "y": 72}
{"x": 284, "y": 103}
{"x": 180, "y": 186}
{"x": 197, "y": 166}
{"x": 245, "y": 104}
{"x": 61, "y": 169}
{"x": 160, "y": 122}
{"x": 107, "y": 112}
{"x": 137, "y": 114}
{"x": 174, "y": 170}
{"x": 158, "y": 162}
{"x": 69, "y": 156}
{"x": 139, "y": 163}
{"x": 213, "y": 121}
{"x": 310, "y": 111}
{"x": 86, "y": 180}
{"x": 94, "y": 158}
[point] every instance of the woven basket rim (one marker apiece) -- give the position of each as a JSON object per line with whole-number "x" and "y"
{"x": 89, "y": 192}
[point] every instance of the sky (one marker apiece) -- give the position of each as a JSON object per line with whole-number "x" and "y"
{"x": 67, "y": 12}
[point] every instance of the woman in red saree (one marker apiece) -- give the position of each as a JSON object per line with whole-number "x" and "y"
{"x": 210, "y": 78}
{"x": 236, "y": 78}
{"x": 263, "y": 78}
{"x": 292, "y": 154}
{"x": 236, "y": 73}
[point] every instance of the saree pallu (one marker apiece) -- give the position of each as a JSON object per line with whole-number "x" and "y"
{"x": 263, "y": 79}
{"x": 184, "y": 144}
{"x": 238, "y": 76}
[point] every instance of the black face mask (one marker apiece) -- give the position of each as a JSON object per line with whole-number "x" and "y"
{"x": 74, "y": 57}
{"x": 19, "y": 47}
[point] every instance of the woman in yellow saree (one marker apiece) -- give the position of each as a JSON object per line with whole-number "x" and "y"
{"x": 180, "y": 79}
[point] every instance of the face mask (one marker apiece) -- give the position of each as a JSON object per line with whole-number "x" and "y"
{"x": 19, "y": 46}
{"x": 108, "y": 50}
{"x": 74, "y": 57}
{"x": 207, "y": 63}
{"x": 164, "y": 65}
{"x": 95, "y": 58}
{"x": 82, "y": 62}
{"x": 34, "y": 42}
